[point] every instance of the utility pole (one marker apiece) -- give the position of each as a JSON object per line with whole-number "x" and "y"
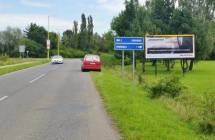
{"x": 48, "y": 41}
{"x": 58, "y": 45}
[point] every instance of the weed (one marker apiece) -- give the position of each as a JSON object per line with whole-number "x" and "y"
{"x": 170, "y": 87}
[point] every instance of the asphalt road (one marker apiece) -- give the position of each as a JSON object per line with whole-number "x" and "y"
{"x": 52, "y": 102}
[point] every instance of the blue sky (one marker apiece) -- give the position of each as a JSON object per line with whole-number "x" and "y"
{"x": 20, "y": 13}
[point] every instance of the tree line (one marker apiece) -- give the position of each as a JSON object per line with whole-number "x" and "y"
{"x": 154, "y": 17}
{"x": 81, "y": 38}
{"x": 170, "y": 17}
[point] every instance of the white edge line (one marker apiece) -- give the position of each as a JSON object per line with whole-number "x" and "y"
{"x": 3, "y": 98}
{"x": 37, "y": 78}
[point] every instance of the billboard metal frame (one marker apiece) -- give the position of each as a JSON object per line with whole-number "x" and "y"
{"x": 182, "y": 35}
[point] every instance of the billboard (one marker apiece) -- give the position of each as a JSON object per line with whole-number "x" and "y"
{"x": 170, "y": 46}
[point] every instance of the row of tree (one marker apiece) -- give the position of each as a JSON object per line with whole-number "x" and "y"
{"x": 170, "y": 17}
{"x": 80, "y": 39}
{"x": 34, "y": 38}
{"x": 9, "y": 40}
{"x": 154, "y": 17}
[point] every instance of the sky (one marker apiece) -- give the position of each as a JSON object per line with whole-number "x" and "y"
{"x": 20, "y": 13}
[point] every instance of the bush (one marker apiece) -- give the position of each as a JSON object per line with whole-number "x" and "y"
{"x": 207, "y": 124}
{"x": 69, "y": 53}
{"x": 109, "y": 60}
{"x": 170, "y": 87}
{"x": 207, "y": 127}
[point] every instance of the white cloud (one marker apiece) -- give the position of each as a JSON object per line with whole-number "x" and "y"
{"x": 36, "y": 3}
{"x": 23, "y": 20}
{"x": 114, "y": 6}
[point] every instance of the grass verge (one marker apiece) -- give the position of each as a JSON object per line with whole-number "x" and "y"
{"x": 31, "y": 63}
{"x": 136, "y": 115}
{"x": 10, "y": 61}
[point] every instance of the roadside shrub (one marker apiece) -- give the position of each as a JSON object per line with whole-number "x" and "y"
{"x": 170, "y": 87}
{"x": 69, "y": 53}
{"x": 207, "y": 127}
{"x": 188, "y": 106}
{"x": 109, "y": 60}
{"x": 207, "y": 124}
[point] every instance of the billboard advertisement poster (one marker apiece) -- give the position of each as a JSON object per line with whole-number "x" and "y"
{"x": 169, "y": 46}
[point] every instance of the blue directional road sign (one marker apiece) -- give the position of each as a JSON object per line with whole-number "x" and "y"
{"x": 128, "y": 43}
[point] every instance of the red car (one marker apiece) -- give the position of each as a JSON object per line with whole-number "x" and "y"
{"x": 91, "y": 62}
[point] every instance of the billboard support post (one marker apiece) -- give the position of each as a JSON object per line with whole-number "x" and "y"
{"x": 133, "y": 69}
{"x": 156, "y": 68}
{"x": 21, "y": 50}
{"x": 183, "y": 67}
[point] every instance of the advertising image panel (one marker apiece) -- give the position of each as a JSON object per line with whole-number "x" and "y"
{"x": 170, "y": 46}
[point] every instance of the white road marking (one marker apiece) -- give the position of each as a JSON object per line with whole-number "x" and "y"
{"x": 3, "y": 98}
{"x": 39, "y": 77}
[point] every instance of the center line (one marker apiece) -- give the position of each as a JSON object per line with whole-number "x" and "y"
{"x": 39, "y": 77}
{"x": 3, "y": 98}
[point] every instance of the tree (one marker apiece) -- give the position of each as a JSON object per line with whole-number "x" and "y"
{"x": 10, "y": 40}
{"x": 75, "y": 34}
{"x": 67, "y": 38}
{"x": 107, "y": 41}
{"x": 98, "y": 42}
{"x": 90, "y": 27}
{"x": 35, "y": 49}
{"x": 36, "y": 33}
{"x": 54, "y": 39}
{"x": 39, "y": 35}
{"x": 182, "y": 22}
{"x": 122, "y": 24}
{"x": 162, "y": 11}
{"x": 82, "y": 42}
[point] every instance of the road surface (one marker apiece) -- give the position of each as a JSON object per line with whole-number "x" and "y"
{"x": 52, "y": 102}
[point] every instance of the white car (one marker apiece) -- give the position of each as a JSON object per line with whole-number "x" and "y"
{"x": 57, "y": 59}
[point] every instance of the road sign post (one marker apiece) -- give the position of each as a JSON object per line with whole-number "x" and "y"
{"x": 123, "y": 61}
{"x": 58, "y": 45}
{"x": 27, "y": 53}
{"x": 129, "y": 44}
{"x": 48, "y": 41}
{"x": 133, "y": 69}
{"x": 21, "y": 50}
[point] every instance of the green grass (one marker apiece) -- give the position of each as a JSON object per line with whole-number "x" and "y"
{"x": 200, "y": 80}
{"x": 139, "y": 117}
{"x": 32, "y": 62}
{"x": 11, "y": 61}
{"x": 136, "y": 116}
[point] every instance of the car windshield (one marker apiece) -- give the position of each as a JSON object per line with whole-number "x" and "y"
{"x": 57, "y": 57}
{"x": 92, "y": 58}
